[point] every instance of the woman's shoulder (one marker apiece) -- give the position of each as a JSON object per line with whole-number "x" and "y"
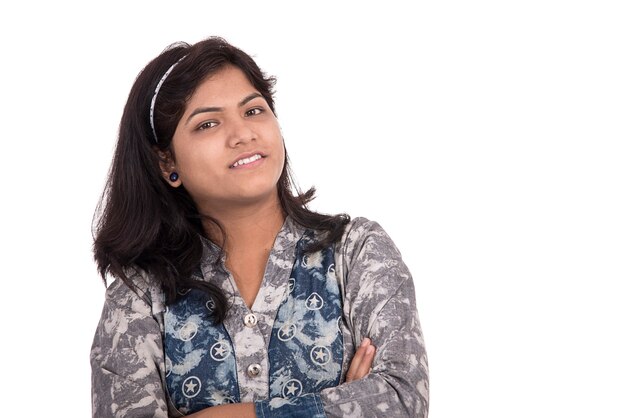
{"x": 361, "y": 224}
{"x": 368, "y": 261}
{"x": 139, "y": 291}
{"x": 362, "y": 234}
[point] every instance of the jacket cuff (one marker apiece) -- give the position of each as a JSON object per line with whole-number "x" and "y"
{"x": 305, "y": 406}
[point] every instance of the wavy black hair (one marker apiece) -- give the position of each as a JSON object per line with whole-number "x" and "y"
{"x": 141, "y": 221}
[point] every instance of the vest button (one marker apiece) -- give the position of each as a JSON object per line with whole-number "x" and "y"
{"x": 254, "y": 370}
{"x": 250, "y": 320}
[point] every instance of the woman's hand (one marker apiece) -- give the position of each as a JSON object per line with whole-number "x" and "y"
{"x": 237, "y": 410}
{"x": 361, "y": 363}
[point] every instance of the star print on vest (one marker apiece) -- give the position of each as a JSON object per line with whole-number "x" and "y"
{"x": 287, "y": 332}
{"x": 191, "y": 386}
{"x": 200, "y": 368}
{"x": 210, "y": 305}
{"x": 306, "y": 348}
{"x": 314, "y": 302}
{"x": 292, "y": 388}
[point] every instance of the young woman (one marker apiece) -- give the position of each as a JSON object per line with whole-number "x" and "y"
{"x": 230, "y": 297}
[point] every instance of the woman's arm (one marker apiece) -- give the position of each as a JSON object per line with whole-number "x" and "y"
{"x": 380, "y": 304}
{"x": 125, "y": 358}
{"x": 398, "y": 383}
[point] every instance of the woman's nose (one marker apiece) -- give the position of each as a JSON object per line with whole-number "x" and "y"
{"x": 240, "y": 132}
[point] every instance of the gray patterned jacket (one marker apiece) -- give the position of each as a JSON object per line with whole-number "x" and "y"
{"x": 133, "y": 374}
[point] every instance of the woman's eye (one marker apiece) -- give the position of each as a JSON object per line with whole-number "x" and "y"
{"x": 255, "y": 111}
{"x": 207, "y": 125}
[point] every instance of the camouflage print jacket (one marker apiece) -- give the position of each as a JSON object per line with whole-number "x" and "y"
{"x": 288, "y": 354}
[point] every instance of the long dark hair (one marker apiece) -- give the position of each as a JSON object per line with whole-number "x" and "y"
{"x": 143, "y": 222}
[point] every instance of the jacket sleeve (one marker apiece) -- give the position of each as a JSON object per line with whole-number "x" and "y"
{"x": 379, "y": 303}
{"x": 125, "y": 357}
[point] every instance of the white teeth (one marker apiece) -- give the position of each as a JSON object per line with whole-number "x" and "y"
{"x": 247, "y": 160}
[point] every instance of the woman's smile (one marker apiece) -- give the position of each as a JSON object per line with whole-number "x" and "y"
{"x": 248, "y": 162}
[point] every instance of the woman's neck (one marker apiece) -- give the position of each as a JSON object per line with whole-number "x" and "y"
{"x": 247, "y": 227}
{"x": 250, "y": 235}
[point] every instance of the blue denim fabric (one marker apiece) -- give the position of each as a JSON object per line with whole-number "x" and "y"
{"x": 305, "y": 406}
{"x": 305, "y": 351}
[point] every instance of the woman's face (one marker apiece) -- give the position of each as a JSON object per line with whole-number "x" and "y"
{"x": 228, "y": 148}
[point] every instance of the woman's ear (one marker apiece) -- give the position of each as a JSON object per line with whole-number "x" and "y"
{"x": 168, "y": 167}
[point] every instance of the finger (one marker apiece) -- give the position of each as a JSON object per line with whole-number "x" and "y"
{"x": 356, "y": 361}
{"x": 364, "y": 367}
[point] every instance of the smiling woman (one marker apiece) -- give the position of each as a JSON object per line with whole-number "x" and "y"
{"x": 228, "y": 146}
{"x": 231, "y": 297}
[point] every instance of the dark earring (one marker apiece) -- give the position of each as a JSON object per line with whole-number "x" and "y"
{"x": 173, "y": 176}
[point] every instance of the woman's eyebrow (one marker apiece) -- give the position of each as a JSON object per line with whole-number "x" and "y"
{"x": 243, "y": 102}
{"x": 203, "y": 110}
{"x": 248, "y": 98}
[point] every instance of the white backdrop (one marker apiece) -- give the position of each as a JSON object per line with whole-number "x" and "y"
{"x": 487, "y": 138}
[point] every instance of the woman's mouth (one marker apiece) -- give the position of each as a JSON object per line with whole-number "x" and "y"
{"x": 245, "y": 161}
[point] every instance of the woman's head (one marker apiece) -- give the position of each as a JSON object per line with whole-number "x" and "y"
{"x": 227, "y": 148}
{"x": 153, "y": 115}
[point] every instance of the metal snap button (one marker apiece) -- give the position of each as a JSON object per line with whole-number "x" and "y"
{"x": 254, "y": 370}
{"x": 250, "y": 320}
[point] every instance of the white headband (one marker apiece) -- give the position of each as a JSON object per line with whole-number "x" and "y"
{"x": 156, "y": 92}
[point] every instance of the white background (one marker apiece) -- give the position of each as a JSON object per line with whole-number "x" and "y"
{"x": 487, "y": 138}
